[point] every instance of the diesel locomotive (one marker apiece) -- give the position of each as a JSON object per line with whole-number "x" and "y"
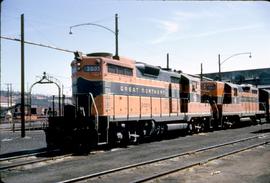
{"x": 122, "y": 101}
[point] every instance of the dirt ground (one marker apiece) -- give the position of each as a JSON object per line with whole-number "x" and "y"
{"x": 250, "y": 166}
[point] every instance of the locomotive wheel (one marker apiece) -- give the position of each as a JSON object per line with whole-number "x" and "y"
{"x": 84, "y": 140}
{"x": 78, "y": 141}
{"x": 254, "y": 120}
{"x": 54, "y": 138}
{"x": 208, "y": 125}
{"x": 203, "y": 128}
{"x": 199, "y": 127}
{"x": 66, "y": 143}
{"x": 125, "y": 140}
{"x": 93, "y": 141}
{"x": 190, "y": 129}
{"x": 118, "y": 137}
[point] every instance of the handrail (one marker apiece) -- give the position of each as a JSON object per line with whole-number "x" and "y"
{"x": 127, "y": 106}
{"x": 113, "y": 106}
{"x": 151, "y": 105}
{"x": 96, "y": 116}
{"x": 140, "y": 98}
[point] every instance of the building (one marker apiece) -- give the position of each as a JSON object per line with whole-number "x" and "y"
{"x": 257, "y": 77}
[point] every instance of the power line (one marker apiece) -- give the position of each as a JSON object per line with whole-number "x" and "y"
{"x": 38, "y": 44}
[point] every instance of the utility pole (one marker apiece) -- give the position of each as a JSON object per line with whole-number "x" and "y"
{"x": 168, "y": 61}
{"x": 8, "y": 94}
{"x": 22, "y": 79}
{"x": 0, "y": 57}
{"x": 63, "y": 101}
{"x": 201, "y": 76}
{"x": 116, "y": 37}
{"x": 219, "y": 69}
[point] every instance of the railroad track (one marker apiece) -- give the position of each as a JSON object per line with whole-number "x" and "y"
{"x": 150, "y": 170}
{"x": 20, "y": 161}
{"x": 21, "y": 154}
{"x": 8, "y": 129}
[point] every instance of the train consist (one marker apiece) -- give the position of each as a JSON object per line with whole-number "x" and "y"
{"x": 122, "y": 101}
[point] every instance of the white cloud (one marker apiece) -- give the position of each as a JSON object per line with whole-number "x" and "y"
{"x": 179, "y": 22}
{"x": 168, "y": 27}
{"x": 174, "y": 25}
{"x": 185, "y": 15}
{"x": 182, "y": 15}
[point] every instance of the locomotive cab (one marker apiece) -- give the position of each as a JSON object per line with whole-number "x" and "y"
{"x": 87, "y": 75}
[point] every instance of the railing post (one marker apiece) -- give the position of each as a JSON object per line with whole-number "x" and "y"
{"x": 89, "y": 106}
{"x": 97, "y": 115}
{"x": 177, "y": 106}
{"x": 151, "y": 106}
{"x": 63, "y": 104}
{"x": 127, "y": 106}
{"x": 53, "y": 106}
{"x": 160, "y": 107}
{"x": 170, "y": 105}
{"x": 113, "y": 106}
{"x": 77, "y": 104}
{"x": 140, "y": 107}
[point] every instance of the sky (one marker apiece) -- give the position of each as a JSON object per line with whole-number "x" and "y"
{"x": 192, "y": 32}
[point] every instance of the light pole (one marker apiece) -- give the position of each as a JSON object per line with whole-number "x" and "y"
{"x": 115, "y": 32}
{"x": 0, "y": 57}
{"x": 221, "y": 62}
{"x": 22, "y": 79}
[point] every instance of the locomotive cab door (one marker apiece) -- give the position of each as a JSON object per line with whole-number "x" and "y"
{"x": 83, "y": 105}
{"x": 170, "y": 99}
{"x": 174, "y": 95}
{"x": 184, "y": 93}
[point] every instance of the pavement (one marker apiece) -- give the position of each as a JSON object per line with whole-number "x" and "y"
{"x": 11, "y": 142}
{"x": 100, "y": 161}
{"x": 251, "y": 166}
{"x": 29, "y": 125}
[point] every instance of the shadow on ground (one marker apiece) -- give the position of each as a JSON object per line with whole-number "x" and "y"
{"x": 262, "y": 131}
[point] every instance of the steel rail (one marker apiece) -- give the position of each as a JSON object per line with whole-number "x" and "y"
{"x": 27, "y": 155}
{"x": 158, "y": 175}
{"x": 93, "y": 175}
{"x": 18, "y": 129}
{"x": 8, "y": 167}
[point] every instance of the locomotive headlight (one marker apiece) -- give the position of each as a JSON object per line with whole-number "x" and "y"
{"x": 78, "y": 66}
